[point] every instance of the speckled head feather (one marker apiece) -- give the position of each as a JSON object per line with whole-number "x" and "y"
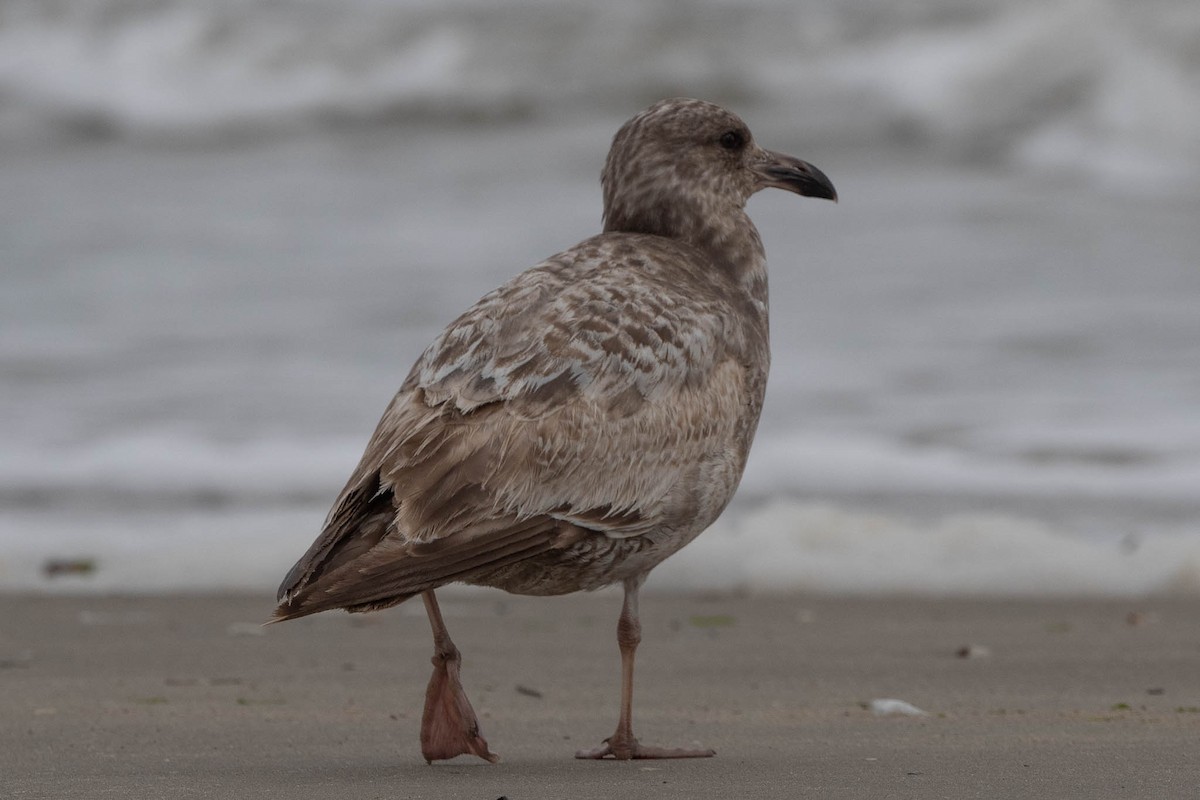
{"x": 678, "y": 158}
{"x": 685, "y": 168}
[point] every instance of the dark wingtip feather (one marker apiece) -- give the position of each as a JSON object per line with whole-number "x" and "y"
{"x": 287, "y": 610}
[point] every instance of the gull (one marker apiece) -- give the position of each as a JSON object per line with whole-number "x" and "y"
{"x": 578, "y": 424}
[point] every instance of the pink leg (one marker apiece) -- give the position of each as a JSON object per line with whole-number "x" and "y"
{"x": 623, "y": 745}
{"x": 449, "y": 726}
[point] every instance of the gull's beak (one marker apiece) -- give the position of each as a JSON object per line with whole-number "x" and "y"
{"x": 785, "y": 172}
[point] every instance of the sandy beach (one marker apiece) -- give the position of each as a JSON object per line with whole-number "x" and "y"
{"x": 188, "y": 697}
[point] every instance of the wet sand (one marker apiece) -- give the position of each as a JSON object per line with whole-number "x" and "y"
{"x": 188, "y": 697}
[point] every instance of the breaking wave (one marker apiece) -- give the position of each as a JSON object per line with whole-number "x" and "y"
{"x": 1087, "y": 84}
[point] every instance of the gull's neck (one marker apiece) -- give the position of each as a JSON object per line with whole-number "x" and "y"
{"x": 726, "y": 236}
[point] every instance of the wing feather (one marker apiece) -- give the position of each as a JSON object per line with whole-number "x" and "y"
{"x": 579, "y": 395}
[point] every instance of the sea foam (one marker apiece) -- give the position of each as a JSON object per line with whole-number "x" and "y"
{"x": 784, "y": 546}
{"x": 1085, "y": 85}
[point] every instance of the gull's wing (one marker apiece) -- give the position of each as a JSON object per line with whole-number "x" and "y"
{"x": 569, "y": 402}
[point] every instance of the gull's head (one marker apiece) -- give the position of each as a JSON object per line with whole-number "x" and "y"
{"x": 682, "y": 161}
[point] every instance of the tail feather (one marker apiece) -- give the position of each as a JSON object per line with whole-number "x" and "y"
{"x": 391, "y": 573}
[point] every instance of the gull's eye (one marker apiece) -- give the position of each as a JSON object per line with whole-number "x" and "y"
{"x": 732, "y": 140}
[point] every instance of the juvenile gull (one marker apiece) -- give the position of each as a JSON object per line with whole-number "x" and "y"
{"x": 580, "y": 423}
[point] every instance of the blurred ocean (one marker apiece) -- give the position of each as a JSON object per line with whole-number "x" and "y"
{"x": 227, "y": 229}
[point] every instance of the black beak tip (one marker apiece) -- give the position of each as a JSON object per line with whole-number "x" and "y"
{"x": 817, "y": 184}
{"x": 798, "y": 176}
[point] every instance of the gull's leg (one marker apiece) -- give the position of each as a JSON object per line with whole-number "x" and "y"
{"x": 448, "y": 726}
{"x": 623, "y": 745}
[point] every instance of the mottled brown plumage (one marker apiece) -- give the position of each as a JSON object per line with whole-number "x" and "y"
{"x": 580, "y": 423}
